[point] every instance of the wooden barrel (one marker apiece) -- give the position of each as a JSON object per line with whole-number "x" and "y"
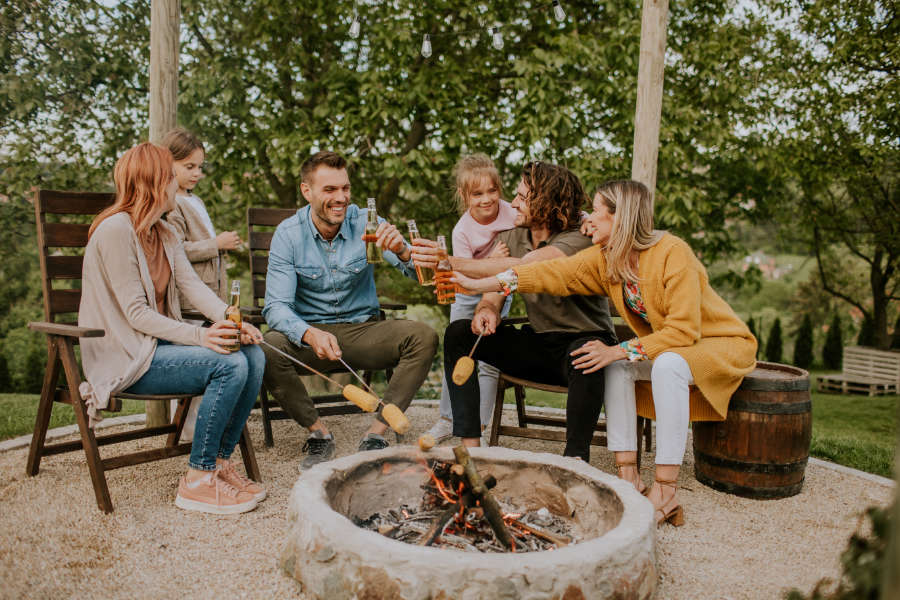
{"x": 761, "y": 449}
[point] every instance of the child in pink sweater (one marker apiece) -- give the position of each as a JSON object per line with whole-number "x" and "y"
{"x": 484, "y": 215}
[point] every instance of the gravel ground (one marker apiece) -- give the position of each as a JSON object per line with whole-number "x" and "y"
{"x": 54, "y": 543}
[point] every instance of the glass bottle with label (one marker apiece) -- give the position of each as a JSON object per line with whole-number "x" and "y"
{"x": 373, "y": 252}
{"x": 425, "y": 274}
{"x": 446, "y": 289}
{"x": 233, "y": 314}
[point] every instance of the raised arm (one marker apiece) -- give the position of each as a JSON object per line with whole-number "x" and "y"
{"x": 579, "y": 274}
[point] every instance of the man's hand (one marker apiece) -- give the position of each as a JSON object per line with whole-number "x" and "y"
{"x": 485, "y": 320}
{"x": 228, "y": 240}
{"x": 390, "y": 238}
{"x": 324, "y": 344}
{"x": 595, "y": 355}
{"x": 425, "y": 253}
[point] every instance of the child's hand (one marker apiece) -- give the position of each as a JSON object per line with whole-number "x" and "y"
{"x": 500, "y": 250}
{"x": 228, "y": 240}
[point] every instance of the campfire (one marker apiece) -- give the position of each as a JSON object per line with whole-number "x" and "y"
{"x": 451, "y": 524}
{"x": 457, "y": 510}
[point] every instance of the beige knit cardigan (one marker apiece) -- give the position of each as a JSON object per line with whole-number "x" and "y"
{"x": 200, "y": 247}
{"x": 117, "y": 296}
{"x": 686, "y": 315}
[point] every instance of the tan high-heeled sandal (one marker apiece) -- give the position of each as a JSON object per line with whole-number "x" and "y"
{"x": 674, "y": 514}
{"x": 639, "y": 485}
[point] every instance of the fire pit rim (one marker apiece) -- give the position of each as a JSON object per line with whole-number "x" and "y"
{"x": 637, "y": 515}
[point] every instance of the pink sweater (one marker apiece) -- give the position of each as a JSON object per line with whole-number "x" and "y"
{"x": 471, "y": 239}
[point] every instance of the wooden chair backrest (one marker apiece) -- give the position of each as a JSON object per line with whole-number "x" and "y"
{"x": 62, "y": 220}
{"x": 261, "y": 224}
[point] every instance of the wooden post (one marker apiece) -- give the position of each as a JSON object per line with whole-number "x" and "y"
{"x": 649, "y": 93}
{"x": 165, "y": 18}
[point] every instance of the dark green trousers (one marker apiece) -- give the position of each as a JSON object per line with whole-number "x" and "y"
{"x": 407, "y": 347}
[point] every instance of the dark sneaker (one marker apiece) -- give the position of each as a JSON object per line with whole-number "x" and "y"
{"x": 318, "y": 448}
{"x": 373, "y": 441}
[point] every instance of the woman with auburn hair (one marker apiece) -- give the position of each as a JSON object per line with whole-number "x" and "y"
{"x": 686, "y": 333}
{"x": 134, "y": 268}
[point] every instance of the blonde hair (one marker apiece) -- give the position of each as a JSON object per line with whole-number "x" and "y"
{"x": 141, "y": 175}
{"x": 468, "y": 172}
{"x": 631, "y": 205}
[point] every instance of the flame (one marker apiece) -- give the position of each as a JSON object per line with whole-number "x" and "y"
{"x": 440, "y": 487}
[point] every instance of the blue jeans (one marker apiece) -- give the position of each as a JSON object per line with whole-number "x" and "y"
{"x": 229, "y": 384}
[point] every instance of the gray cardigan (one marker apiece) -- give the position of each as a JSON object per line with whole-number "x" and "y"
{"x": 117, "y": 296}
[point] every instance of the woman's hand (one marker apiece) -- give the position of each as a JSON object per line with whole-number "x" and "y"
{"x": 476, "y": 286}
{"x": 250, "y": 334}
{"x": 219, "y": 335}
{"x": 425, "y": 253}
{"x": 595, "y": 355}
{"x": 228, "y": 240}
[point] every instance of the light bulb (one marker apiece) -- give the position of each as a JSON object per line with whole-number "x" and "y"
{"x": 426, "y": 46}
{"x": 558, "y": 11}
{"x": 354, "y": 27}
{"x": 497, "y": 38}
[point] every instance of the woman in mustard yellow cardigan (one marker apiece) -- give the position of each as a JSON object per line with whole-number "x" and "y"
{"x": 662, "y": 291}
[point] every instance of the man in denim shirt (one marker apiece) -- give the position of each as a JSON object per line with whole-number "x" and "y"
{"x": 321, "y": 304}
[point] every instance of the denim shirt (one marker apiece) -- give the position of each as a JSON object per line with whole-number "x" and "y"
{"x": 312, "y": 280}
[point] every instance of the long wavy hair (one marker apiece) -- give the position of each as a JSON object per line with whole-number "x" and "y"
{"x": 556, "y": 196}
{"x": 469, "y": 171}
{"x": 631, "y": 205}
{"x": 141, "y": 175}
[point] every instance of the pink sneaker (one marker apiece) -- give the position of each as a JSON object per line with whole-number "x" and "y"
{"x": 212, "y": 494}
{"x": 231, "y": 475}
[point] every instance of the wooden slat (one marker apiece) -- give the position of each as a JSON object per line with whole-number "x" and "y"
{"x": 64, "y": 301}
{"x": 259, "y": 288}
{"x": 259, "y": 264}
{"x": 268, "y": 217}
{"x": 137, "y": 458}
{"x": 73, "y": 203}
{"x": 261, "y": 240}
{"x": 532, "y": 384}
{"x": 64, "y": 267}
{"x": 65, "y": 235}
{"x": 545, "y": 434}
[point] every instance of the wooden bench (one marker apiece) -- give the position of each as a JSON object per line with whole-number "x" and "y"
{"x": 865, "y": 371}
{"x": 261, "y": 224}
{"x": 63, "y": 220}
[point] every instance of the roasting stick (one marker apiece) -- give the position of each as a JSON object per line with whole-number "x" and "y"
{"x": 355, "y": 374}
{"x": 366, "y": 401}
{"x": 465, "y": 365}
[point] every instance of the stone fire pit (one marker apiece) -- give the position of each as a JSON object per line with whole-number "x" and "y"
{"x": 336, "y": 560}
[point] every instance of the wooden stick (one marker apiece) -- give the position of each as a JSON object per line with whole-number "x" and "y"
{"x": 480, "y": 490}
{"x": 559, "y": 541}
{"x": 437, "y": 528}
{"x": 302, "y": 364}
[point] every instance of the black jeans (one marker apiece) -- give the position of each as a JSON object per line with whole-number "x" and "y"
{"x": 541, "y": 357}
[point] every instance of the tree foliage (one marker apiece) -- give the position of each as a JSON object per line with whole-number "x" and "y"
{"x": 833, "y": 350}
{"x": 775, "y": 345}
{"x": 803, "y": 346}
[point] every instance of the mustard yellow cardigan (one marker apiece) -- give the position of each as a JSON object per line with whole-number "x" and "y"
{"x": 686, "y": 315}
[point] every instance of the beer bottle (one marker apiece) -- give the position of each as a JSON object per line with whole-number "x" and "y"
{"x": 233, "y": 314}
{"x": 425, "y": 274}
{"x": 373, "y": 252}
{"x": 446, "y": 290}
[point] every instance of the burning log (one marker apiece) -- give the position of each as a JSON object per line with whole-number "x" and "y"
{"x": 478, "y": 489}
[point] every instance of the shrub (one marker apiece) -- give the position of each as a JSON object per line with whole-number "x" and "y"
{"x": 5, "y": 380}
{"x": 833, "y": 351}
{"x": 33, "y": 377}
{"x": 774, "y": 345}
{"x": 866, "y": 333}
{"x": 803, "y": 347}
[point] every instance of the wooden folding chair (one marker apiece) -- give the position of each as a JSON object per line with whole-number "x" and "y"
{"x": 261, "y": 224}
{"x": 63, "y": 220}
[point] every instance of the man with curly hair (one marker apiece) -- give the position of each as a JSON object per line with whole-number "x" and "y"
{"x": 549, "y": 199}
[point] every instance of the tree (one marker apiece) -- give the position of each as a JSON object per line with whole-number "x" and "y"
{"x": 866, "y": 334}
{"x": 266, "y": 84}
{"x": 835, "y": 136}
{"x": 833, "y": 351}
{"x": 33, "y": 376}
{"x": 751, "y": 324}
{"x": 895, "y": 341}
{"x": 774, "y": 344}
{"x": 803, "y": 347}
{"x": 5, "y": 379}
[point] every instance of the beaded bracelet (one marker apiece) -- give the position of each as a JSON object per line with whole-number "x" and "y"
{"x": 509, "y": 281}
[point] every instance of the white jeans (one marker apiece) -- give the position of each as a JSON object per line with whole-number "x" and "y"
{"x": 670, "y": 378}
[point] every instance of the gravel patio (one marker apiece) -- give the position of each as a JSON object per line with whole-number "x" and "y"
{"x": 54, "y": 543}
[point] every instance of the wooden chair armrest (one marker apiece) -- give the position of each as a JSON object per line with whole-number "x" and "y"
{"x": 392, "y": 306}
{"x": 515, "y": 320}
{"x": 65, "y": 330}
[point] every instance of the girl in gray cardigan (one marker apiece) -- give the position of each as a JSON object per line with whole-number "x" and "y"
{"x": 134, "y": 269}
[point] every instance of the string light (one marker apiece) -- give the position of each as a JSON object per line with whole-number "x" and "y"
{"x": 496, "y": 38}
{"x": 426, "y": 46}
{"x": 558, "y": 11}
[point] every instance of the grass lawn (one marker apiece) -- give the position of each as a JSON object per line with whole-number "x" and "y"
{"x": 856, "y": 431}
{"x": 18, "y": 412}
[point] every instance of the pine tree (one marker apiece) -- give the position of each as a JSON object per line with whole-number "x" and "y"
{"x": 803, "y": 347}
{"x": 833, "y": 352}
{"x": 866, "y": 333}
{"x": 5, "y": 379}
{"x": 774, "y": 344}
{"x": 752, "y": 325}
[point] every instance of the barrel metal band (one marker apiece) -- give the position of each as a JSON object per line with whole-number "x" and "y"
{"x": 750, "y": 467}
{"x": 760, "y": 493}
{"x": 770, "y": 408}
